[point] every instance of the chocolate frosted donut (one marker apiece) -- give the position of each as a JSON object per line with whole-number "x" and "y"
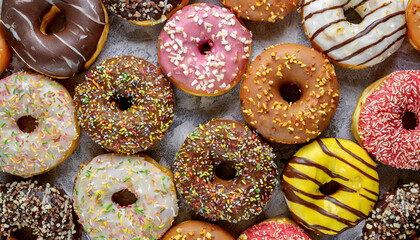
{"x": 145, "y": 12}
{"x": 60, "y": 54}
{"x": 397, "y": 215}
{"x": 225, "y": 171}
{"x": 28, "y": 208}
{"x": 125, "y": 104}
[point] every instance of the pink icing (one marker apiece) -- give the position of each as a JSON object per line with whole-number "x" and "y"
{"x": 274, "y": 231}
{"x": 179, "y": 49}
{"x": 380, "y": 121}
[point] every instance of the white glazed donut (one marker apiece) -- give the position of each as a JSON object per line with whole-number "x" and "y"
{"x": 148, "y": 216}
{"x": 380, "y": 33}
{"x": 56, "y": 133}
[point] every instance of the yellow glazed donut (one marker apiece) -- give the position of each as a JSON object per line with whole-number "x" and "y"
{"x": 38, "y": 124}
{"x": 330, "y": 185}
{"x": 125, "y": 197}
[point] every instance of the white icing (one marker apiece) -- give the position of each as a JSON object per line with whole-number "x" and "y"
{"x": 27, "y": 154}
{"x": 148, "y": 218}
{"x": 342, "y": 30}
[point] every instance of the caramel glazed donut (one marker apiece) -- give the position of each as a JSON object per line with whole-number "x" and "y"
{"x": 46, "y": 211}
{"x": 125, "y": 104}
{"x": 197, "y": 230}
{"x": 261, "y": 10}
{"x": 413, "y": 23}
{"x": 379, "y": 34}
{"x": 38, "y": 124}
{"x": 60, "y": 54}
{"x": 231, "y": 144}
{"x": 145, "y": 12}
{"x": 330, "y": 185}
{"x": 282, "y": 117}
{"x": 125, "y": 197}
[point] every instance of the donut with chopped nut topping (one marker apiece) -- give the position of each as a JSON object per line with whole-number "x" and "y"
{"x": 204, "y": 49}
{"x": 396, "y": 216}
{"x": 125, "y": 104}
{"x": 30, "y": 209}
{"x": 225, "y": 171}
{"x": 289, "y": 93}
{"x": 145, "y": 12}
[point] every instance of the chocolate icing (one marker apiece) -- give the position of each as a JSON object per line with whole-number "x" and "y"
{"x": 61, "y": 54}
{"x": 396, "y": 216}
{"x": 144, "y": 10}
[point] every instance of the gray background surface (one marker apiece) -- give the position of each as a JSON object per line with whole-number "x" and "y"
{"x": 190, "y": 111}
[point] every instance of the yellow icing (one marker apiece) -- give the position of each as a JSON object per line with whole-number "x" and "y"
{"x": 357, "y": 181}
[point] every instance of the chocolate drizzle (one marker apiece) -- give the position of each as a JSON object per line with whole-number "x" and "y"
{"x": 329, "y": 153}
{"x": 321, "y": 29}
{"x": 324, "y": 10}
{"x": 373, "y": 167}
{"x": 371, "y": 45}
{"x": 379, "y": 54}
{"x": 307, "y": 162}
{"x": 367, "y": 30}
{"x": 291, "y": 196}
{"x": 360, "y": 3}
{"x": 62, "y": 54}
{"x": 356, "y": 212}
{"x": 294, "y": 192}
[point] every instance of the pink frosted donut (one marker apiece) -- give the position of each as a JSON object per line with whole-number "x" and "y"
{"x": 386, "y": 120}
{"x": 203, "y": 49}
{"x": 275, "y": 229}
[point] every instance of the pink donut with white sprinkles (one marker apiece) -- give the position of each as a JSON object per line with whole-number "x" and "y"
{"x": 386, "y": 120}
{"x": 204, "y": 49}
{"x": 275, "y": 229}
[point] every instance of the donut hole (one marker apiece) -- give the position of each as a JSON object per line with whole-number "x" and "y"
{"x": 124, "y": 198}
{"x": 290, "y": 92}
{"x": 124, "y": 103}
{"x": 205, "y": 47}
{"x": 329, "y": 188}
{"x": 27, "y": 124}
{"x": 410, "y": 121}
{"x": 226, "y": 171}
{"x": 352, "y": 16}
{"x": 53, "y": 21}
{"x": 24, "y": 233}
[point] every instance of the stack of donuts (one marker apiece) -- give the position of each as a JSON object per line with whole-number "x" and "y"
{"x": 281, "y": 171}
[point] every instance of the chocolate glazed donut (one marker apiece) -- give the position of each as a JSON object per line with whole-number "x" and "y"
{"x": 62, "y": 54}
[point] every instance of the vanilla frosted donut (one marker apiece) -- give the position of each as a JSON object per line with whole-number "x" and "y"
{"x": 380, "y": 33}
{"x": 125, "y": 197}
{"x": 204, "y": 49}
{"x": 27, "y": 150}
